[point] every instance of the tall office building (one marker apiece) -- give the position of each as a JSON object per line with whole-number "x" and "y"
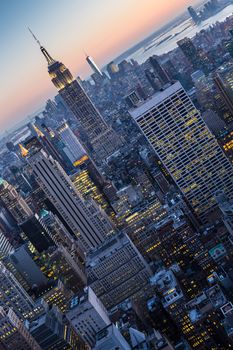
{"x": 36, "y": 233}
{"x": 101, "y": 137}
{"x": 226, "y": 207}
{"x": 117, "y": 271}
{"x": 73, "y": 149}
{"x": 112, "y": 69}
{"x": 57, "y": 231}
{"x": 65, "y": 267}
{"x": 46, "y": 143}
{"x": 26, "y": 267}
{"x": 185, "y": 146}
{"x": 88, "y": 316}
{"x": 5, "y": 245}
{"x": 51, "y": 331}
{"x": 230, "y": 44}
{"x": 224, "y": 83}
{"x": 13, "y": 294}
{"x": 94, "y": 66}
{"x": 111, "y": 338}
{"x": 86, "y": 224}
{"x": 161, "y": 73}
{"x": 14, "y": 203}
{"x": 90, "y": 183}
{"x": 14, "y": 334}
{"x": 195, "y": 56}
{"x": 196, "y": 19}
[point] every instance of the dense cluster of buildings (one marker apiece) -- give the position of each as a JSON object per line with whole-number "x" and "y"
{"x": 116, "y": 208}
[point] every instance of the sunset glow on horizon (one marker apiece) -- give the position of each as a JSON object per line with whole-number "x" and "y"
{"x": 67, "y": 29}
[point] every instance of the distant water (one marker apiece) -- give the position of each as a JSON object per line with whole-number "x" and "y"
{"x": 167, "y": 41}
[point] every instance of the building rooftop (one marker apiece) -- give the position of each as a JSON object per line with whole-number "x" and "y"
{"x": 166, "y": 283}
{"x": 38, "y": 322}
{"x": 202, "y": 304}
{"x": 154, "y": 100}
{"x": 107, "y": 248}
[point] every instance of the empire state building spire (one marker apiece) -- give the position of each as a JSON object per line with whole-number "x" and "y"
{"x": 59, "y": 74}
{"x": 102, "y": 139}
{"x": 49, "y": 59}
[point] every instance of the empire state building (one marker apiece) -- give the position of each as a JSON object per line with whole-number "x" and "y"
{"x": 101, "y": 137}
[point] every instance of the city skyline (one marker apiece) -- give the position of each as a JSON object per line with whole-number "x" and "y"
{"x": 116, "y": 197}
{"x": 19, "y": 99}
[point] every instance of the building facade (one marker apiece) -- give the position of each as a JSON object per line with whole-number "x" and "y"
{"x": 185, "y": 146}
{"x": 89, "y": 227}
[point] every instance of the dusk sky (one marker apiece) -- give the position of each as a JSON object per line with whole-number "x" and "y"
{"x": 103, "y": 28}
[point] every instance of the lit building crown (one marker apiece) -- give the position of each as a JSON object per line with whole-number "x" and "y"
{"x": 38, "y": 131}
{"x": 24, "y": 151}
{"x": 59, "y": 74}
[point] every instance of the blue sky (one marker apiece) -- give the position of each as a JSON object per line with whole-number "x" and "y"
{"x": 103, "y": 28}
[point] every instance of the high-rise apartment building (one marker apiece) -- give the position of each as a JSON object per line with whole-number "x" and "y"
{"x": 185, "y": 146}
{"x": 14, "y": 334}
{"x": 86, "y": 224}
{"x": 101, "y": 137}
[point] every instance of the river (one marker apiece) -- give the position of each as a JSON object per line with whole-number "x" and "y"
{"x": 167, "y": 41}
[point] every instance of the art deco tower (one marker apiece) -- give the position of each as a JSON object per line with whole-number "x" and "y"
{"x": 101, "y": 137}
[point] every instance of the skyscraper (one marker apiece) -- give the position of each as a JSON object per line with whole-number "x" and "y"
{"x": 224, "y": 84}
{"x": 88, "y": 315}
{"x": 185, "y": 146}
{"x": 5, "y": 245}
{"x": 73, "y": 149}
{"x": 52, "y": 332}
{"x": 86, "y": 224}
{"x": 14, "y": 334}
{"x": 196, "y": 19}
{"x": 196, "y": 56}
{"x": 117, "y": 271}
{"x": 36, "y": 233}
{"x": 13, "y": 294}
{"x": 111, "y": 338}
{"x": 162, "y": 74}
{"x": 230, "y": 44}
{"x": 13, "y": 201}
{"x": 101, "y": 137}
{"x": 93, "y": 66}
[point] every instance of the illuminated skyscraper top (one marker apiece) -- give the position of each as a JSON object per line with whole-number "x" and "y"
{"x": 59, "y": 74}
{"x": 101, "y": 137}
